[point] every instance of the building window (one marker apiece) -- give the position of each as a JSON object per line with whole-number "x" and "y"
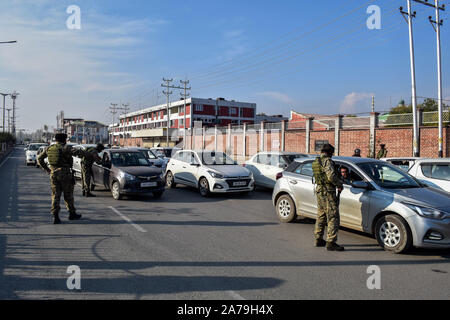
{"x": 318, "y": 144}
{"x": 199, "y": 107}
{"x": 234, "y": 111}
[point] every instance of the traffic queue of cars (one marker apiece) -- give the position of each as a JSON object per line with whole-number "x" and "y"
{"x": 400, "y": 206}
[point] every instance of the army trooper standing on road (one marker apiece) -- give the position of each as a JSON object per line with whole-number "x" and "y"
{"x": 86, "y": 168}
{"x": 62, "y": 180}
{"x": 327, "y": 180}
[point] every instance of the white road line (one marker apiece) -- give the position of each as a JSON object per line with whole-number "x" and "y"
{"x": 124, "y": 217}
{"x": 235, "y": 295}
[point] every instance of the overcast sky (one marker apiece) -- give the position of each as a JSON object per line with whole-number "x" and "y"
{"x": 313, "y": 57}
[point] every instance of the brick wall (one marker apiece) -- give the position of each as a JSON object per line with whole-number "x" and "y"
{"x": 354, "y": 139}
{"x": 398, "y": 141}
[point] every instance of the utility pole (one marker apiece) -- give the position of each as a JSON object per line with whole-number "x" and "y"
{"x": 14, "y": 97}
{"x": 125, "y": 110}
{"x": 416, "y": 132}
{"x": 437, "y": 27}
{"x": 185, "y": 95}
{"x": 373, "y": 104}
{"x": 4, "y": 96}
{"x": 168, "y": 93}
{"x": 9, "y": 120}
{"x": 113, "y": 110}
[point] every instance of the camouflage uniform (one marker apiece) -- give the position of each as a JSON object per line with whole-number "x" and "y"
{"x": 327, "y": 180}
{"x": 382, "y": 153}
{"x": 61, "y": 177}
{"x": 86, "y": 168}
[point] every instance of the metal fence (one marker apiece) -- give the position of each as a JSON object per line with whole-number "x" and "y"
{"x": 406, "y": 119}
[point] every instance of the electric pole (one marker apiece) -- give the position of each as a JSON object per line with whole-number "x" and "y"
{"x": 14, "y": 97}
{"x": 437, "y": 27}
{"x": 185, "y": 95}
{"x": 9, "y": 120}
{"x": 416, "y": 132}
{"x": 113, "y": 110}
{"x": 168, "y": 93}
{"x": 4, "y": 96}
{"x": 125, "y": 110}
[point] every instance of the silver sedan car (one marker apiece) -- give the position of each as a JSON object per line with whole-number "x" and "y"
{"x": 378, "y": 198}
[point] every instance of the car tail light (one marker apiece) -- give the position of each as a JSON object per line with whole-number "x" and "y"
{"x": 243, "y": 164}
{"x": 279, "y": 175}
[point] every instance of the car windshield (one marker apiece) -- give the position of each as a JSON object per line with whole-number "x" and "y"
{"x": 215, "y": 158}
{"x": 35, "y": 147}
{"x": 389, "y": 177}
{"x": 150, "y": 154}
{"x": 129, "y": 159}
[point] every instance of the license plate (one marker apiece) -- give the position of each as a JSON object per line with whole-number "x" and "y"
{"x": 148, "y": 184}
{"x": 239, "y": 184}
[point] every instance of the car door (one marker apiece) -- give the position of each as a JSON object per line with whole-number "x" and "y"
{"x": 265, "y": 169}
{"x": 178, "y": 166}
{"x": 354, "y": 203}
{"x": 191, "y": 168}
{"x": 255, "y": 168}
{"x": 301, "y": 184}
{"x": 436, "y": 174}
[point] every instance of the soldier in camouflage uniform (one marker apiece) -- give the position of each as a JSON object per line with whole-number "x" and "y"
{"x": 86, "y": 168}
{"x": 327, "y": 180}
{"x": 383, "y": 152}
{"x": 60, "y": 160}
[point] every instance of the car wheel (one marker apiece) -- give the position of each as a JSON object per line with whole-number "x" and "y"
{"x": 285, "y": 208}
{"x": 170, "y": 181}
{"x": 203, "y": 187}
{"x": 393, "y": 234}
{"x": 158, "y": 194}
{"x": 115, "y": 190}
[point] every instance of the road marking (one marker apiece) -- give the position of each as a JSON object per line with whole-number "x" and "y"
{"x": 235, "y": 295}
{"x": 124, "y": 217}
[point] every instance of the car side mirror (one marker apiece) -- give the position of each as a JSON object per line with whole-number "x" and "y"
{"x": 360, "y": 185}
{"x": 282, "y": 166}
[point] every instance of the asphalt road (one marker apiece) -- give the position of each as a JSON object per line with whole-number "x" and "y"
{"x": 187, "y": 247}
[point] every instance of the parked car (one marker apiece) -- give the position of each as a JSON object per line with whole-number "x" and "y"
{"x": 433, "y": 172}
{"x": 31, "y": 153}
{"x": 127, "y": 172}
{"x": 164, "y": 152}
{"x": 378, "y": 199}
{"x": 209, "y": 171}
{"x": 403, "y": 163}
{"x": 153, "y": 158}
{"x": 76, "y": 167}
{"x": 38, "y": 152}
{"x": 266, "y": 165}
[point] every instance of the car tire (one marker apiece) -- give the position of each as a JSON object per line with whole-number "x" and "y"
{"x": 157, "y": 195}
{"x": 170, "y": 180}
{"x": 115, "y": 190}
{"x": 203, "y": 187}
{"x": 285, "y": 208}
{"x": 393, "y": 234}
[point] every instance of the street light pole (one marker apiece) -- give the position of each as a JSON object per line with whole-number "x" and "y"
{"x": 4, "y": 96}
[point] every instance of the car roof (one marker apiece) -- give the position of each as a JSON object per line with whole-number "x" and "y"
{"x": 440, "y": 160}
{"x": 353, "y": 160}
{"x": 123, "y": 150}
{"x": 401, "y": 158}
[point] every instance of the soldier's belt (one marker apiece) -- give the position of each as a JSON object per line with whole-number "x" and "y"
{"x": 54, "y": 169}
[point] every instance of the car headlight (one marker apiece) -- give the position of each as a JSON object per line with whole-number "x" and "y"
{"x": 127, "y": 176}
{"x": 427, "y": 212}
{"x": 215, "y": 175}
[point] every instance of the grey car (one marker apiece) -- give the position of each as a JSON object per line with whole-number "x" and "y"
{"x": 378, "y": 198}
{"x": 127, "y": 172}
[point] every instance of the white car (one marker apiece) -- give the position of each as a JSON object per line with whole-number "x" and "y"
{"x": 433, "y": 172}
{"x": 405, "y": 163}
{"x": 209, "y": 171}
{"x": 31, "y": 153}
{"x": 266, "y": 165}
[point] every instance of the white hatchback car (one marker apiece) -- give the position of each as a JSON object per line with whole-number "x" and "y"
{"x": 31, "y": 153}
{"x": 209, "y": 171}
{"x": 432, "y": 172}
{"x": 266, "y": 165}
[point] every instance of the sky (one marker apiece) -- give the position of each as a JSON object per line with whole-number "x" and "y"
{"x": 307, "y": 56}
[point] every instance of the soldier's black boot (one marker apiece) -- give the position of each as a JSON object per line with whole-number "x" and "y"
{"x": 320, "y": 243}
{"x": 333, "y": 246}
{"x": 74, "y": 216}
{"x": 56, "y": 219}
{"x": 84, "y": 193}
